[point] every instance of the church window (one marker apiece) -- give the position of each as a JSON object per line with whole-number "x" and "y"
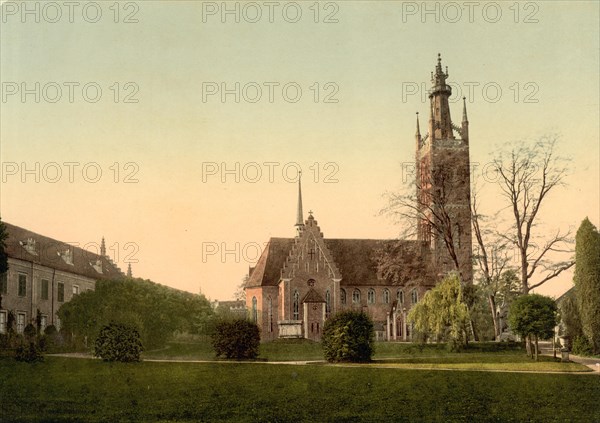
{"x": 371, "y": 296}
{"x": 327, "y": 304}
{"x": 270, "y": 313}
{"x": 343, "y": 296}
{"x": 414, "y": 296}
{"x": 3, "y": 317}
{"x": 296, "y": 305}
{"x": 60, "y": 288}
{"x": 44, "y": 289}
{"x": 254, "y": 310}
{"x": 386, "y": 296}
{"x": 356, "y": 296}
{"x": 400, "y": 296}
{"x": 20, "y": 322}
{"x": 22, "y": 285}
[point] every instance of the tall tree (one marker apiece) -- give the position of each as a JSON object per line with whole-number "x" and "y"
{"x": 587, "y": 281}
{"x": 527, "y": 174}
{"x": 443, "y": 313}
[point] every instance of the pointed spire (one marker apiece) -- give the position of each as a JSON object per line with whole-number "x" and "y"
{"x": 464, "y": 119}
{"x": 299, "y": 214}
{"x": 103, "y": 248}
{"x": 418, "y": 134}
{"x": 129, "y": 274}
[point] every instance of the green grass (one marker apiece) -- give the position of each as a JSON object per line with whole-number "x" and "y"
{"x": 63, "y": 389}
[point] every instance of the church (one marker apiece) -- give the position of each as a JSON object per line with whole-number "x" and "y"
{"x": 299, "y": 282}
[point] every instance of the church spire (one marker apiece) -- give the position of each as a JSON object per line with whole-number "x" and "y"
{"x": 299, "y": 214}
{"x": 441, "y": 123}
{"x": 129, "y": 274}
{"x": 418, "y": 134}
{"x": 464, "y": 119}
{"x": 465, "y": 122}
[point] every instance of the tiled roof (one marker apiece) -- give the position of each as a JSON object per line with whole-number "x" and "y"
{"x": 355, "y": 258}
{"x": 48, "y": 250}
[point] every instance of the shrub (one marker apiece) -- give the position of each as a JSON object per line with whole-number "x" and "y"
{"x": 582, "y": 346}
{"x": 29, "y": 354}
{"x": 118, "y": 342}
{"x": 348, "y": 336}
{"x": 50, "y": 330}
{"x": 238, "y": 338}
{"x": 30, "y": 332}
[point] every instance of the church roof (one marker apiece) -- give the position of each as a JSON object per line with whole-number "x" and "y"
{"x": 49, "y": 252}
{"x": 355, "y": 258}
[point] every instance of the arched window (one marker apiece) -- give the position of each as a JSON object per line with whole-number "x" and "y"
{"x": 296, "y": 305}
{"x": 356, "y": 296}
{"x": 327, "y": 304}
{"x": 254, "y": 310}
{"x": 371, "y": 296}
{"x": 386, "y": 296}
{"x": 343, "y": 296}
{"x": 270, "y": 314}
{"x": 400, "y": 296}
{"x": 414, "y": 296}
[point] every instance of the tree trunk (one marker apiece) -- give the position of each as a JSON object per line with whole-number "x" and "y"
{"x": 492, "y": 302}
{"x": 528, "y": 346}
{"x": 536, "y": 348}
{"x": 524, "y": 267}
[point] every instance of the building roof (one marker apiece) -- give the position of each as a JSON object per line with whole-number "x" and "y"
{"x": 312, "y": 296}
{"x": 50, "y": 252}
{"x": 355, "y": 258}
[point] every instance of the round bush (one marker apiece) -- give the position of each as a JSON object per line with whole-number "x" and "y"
{"x": 239, "y": 339}
{"x": 118, "y": 342}
{"x": 348, "y": 336}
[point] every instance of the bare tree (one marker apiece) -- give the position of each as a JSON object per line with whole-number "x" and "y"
{"x": 526, "y": 176}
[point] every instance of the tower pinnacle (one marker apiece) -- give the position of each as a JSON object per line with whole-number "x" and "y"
{"x": 299, "y": 214}
{"x": 418, "y": 134}
{"x": 102, "y": 248}
{"x": 464, "y": 118}
{"x": 129, "y": 274}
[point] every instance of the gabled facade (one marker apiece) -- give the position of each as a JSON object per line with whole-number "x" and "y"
{"x": 299, "y": 282}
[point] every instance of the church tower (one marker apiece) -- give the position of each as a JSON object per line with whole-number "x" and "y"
{"x": 443, "y": 182}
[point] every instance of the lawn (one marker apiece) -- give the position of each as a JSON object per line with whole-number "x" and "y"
{"x": 64, "y": 389}
{"x": 483, "y": 356}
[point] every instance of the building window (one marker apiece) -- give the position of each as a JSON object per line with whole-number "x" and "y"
{"x": 3, "y": 317}
{"x": 400, "y": 296}
{"x": 296, "y": 305}
{"x": 44, "y": 289}
{"x": 60, "y": 292}
{"x": 414, "y": 296}
{"x": 343, "y": 296}
{"x": 254, "y": 310}
{"x": 327, "y": 304}
{"x": 22, "y": 291}
{"x": 386, "y": 296}
{"x": 75, "y": 290}
{"x": 43, "y": 323}
{"x": 4, "y": 283}
{"x": 270, "y": 313}
{"x": 20, "y": 322}
{"x": 371, "y": 296}
{"x": 356, "y": 296}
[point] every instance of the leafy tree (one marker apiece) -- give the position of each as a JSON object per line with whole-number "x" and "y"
{"x": 29, "y": 353}
{"x": 569, "y": 316}
{"x": 533, "y": 315}
{"x": 240, "y": 292}
{"x": 443, "y": 313}
{"x": 118, "y": 342}
{"x": 238, "y": 338}
{"x": 348, "y": 336}
{"x": 587, "y": 281}
{"x": 155, "y": 310}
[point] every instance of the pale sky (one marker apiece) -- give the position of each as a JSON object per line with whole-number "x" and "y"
{"x": 160, "y": 123}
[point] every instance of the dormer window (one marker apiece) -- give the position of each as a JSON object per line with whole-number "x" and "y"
{"x": 97, "y": 266}
{"x": 29, "y": 246}
{"x": 67, "y": 256}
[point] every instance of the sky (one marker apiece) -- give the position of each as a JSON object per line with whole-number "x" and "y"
{"x": 176, "y": 129}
